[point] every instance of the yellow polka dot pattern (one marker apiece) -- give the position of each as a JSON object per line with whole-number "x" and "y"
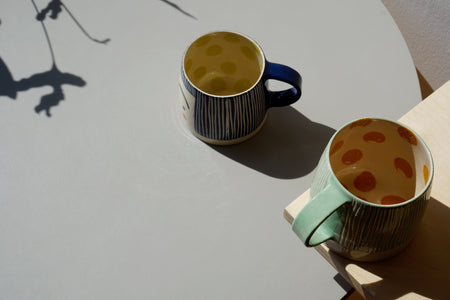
{"x": 223, "y": 63}
{"x": 214, "y": 50}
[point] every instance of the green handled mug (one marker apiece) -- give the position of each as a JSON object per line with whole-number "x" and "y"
{"x": 370, "y": 191}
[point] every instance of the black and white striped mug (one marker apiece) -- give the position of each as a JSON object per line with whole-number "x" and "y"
{"x": 369, "y": 192}
{"x": 223, "y": 85}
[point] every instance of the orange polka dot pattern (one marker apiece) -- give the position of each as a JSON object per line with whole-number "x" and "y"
{"x": 407, "y": 135}
{"x": 374, "y": 136}
{"x": 336, "y": 147}
{"x": 365, "y": 181}
{"x": 392, "y": 199}
{"x": 361, "y": 122}
{"x": 404, "y": 166}
{"x": 364, "y": 167}
{"x": 351, "y": 156}
{"x": 426, "y": 173}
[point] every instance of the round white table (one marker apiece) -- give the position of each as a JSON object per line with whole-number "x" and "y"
{"x": 110, "y": 197}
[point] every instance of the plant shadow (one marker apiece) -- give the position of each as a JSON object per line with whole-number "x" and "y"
{"x": 53, "y": 78}
{"x": 288, "y": 146}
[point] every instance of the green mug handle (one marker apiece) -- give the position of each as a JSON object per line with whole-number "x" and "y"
{"x": 308, "y": 224}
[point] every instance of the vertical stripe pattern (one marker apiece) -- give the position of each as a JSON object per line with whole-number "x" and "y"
{"x": 322, "y": 174}
{"x": 187, "y": 84}
{"x": 228, "y": 118}
{"x": 372, "y": 228}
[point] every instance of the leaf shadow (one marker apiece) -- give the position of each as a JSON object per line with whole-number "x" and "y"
{"x": 53, "y": 78}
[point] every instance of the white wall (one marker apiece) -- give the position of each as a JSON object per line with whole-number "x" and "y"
{"x": 425, "y": 25}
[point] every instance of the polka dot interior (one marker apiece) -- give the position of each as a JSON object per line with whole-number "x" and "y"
{"x": 223, "y": 63}
{"x": 374, "y": 136}
{"x": 404, "y": 166}
{"x": 407, "y": 135}
{"x": 352, "y": 156}
{"x": 365, "y": 182}
{"x": 376, "y": 161}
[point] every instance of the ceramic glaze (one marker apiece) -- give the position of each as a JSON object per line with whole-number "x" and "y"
{"x": 370, "y": 191}
{"x": 224, "y": 98}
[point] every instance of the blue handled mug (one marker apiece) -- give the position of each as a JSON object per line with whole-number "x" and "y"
{"x": 224, "y": 95}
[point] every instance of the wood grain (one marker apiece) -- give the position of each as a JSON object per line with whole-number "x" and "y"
{"x": 423, "y": 269}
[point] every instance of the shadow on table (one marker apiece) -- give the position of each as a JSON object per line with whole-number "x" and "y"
{"x": 177, "y": 7}
{"x": 53, "y": 78}
{"x": 288, "y": 146}
{"x": 421, "y": 269}
{"x": 343, "y": 283}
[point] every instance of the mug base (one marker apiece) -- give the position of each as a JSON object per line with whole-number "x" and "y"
{"x": 233, "y": 141}
{"x": 364, "y": 256}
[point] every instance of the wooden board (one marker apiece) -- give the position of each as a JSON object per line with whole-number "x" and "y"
{"x": 423, "y": 269}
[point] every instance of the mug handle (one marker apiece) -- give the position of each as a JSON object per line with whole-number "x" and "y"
{"x": 285, "y": 74}
{"x": 308, "y": 224}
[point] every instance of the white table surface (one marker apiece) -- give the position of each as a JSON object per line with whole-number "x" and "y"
{"x": 112, "y": 198}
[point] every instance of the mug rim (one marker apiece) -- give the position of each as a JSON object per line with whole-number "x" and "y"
{"x": 263, "y": 67}
{"x": 424, "y": 189}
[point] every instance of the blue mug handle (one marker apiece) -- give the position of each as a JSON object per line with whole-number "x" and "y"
{"x": 285, "y": 74}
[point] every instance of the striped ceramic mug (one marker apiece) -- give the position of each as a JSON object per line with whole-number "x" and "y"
{"x": 369, "y": 192}
{"x": 223, "y": 90}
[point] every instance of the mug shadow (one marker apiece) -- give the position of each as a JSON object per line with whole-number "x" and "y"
{"x": 288, "y": 146}
{"x": 421, "y": 269}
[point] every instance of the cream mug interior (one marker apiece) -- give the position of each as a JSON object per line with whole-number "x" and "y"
{"x": 380, "y": 161}
{"x": 223, "y": 63}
